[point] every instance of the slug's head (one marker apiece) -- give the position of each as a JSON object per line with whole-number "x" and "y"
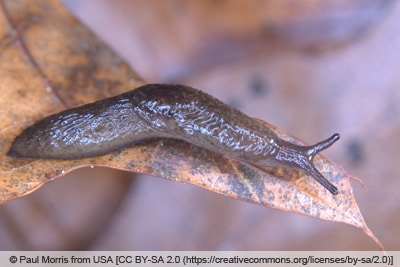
{"x": 301, "y": 157}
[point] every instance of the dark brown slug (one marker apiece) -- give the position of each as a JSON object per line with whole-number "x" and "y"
{"x": 164, "y": 111}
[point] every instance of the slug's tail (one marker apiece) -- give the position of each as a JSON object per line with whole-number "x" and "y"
{"x": 311, "y": 152}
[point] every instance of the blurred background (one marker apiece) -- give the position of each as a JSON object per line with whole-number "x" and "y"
{"x": 310, "y": 67}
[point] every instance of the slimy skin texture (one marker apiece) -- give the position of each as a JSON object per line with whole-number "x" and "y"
{"x": 164, "y": 111}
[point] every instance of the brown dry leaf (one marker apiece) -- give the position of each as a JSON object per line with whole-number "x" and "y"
{"x": 62, "y": 65}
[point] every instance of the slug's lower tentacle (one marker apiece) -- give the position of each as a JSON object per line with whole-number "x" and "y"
{"x": 163, "y": 111}
{"x": 323, "y": 181}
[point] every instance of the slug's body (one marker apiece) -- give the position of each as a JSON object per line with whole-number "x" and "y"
{"x": 164, "y": 111}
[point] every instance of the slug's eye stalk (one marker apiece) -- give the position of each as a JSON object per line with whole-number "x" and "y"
{"x": 302, "y": 157}
{"x": 313, "y": 150}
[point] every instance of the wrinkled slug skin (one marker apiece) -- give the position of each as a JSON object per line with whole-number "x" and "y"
{"x": 151, "y": 111}
{"x": 164, "y": 111}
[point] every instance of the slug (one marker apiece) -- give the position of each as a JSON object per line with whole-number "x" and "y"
{"x": 165, "y": 111}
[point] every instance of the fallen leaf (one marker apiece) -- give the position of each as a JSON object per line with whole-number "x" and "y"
{"x": 50, "y": 62}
